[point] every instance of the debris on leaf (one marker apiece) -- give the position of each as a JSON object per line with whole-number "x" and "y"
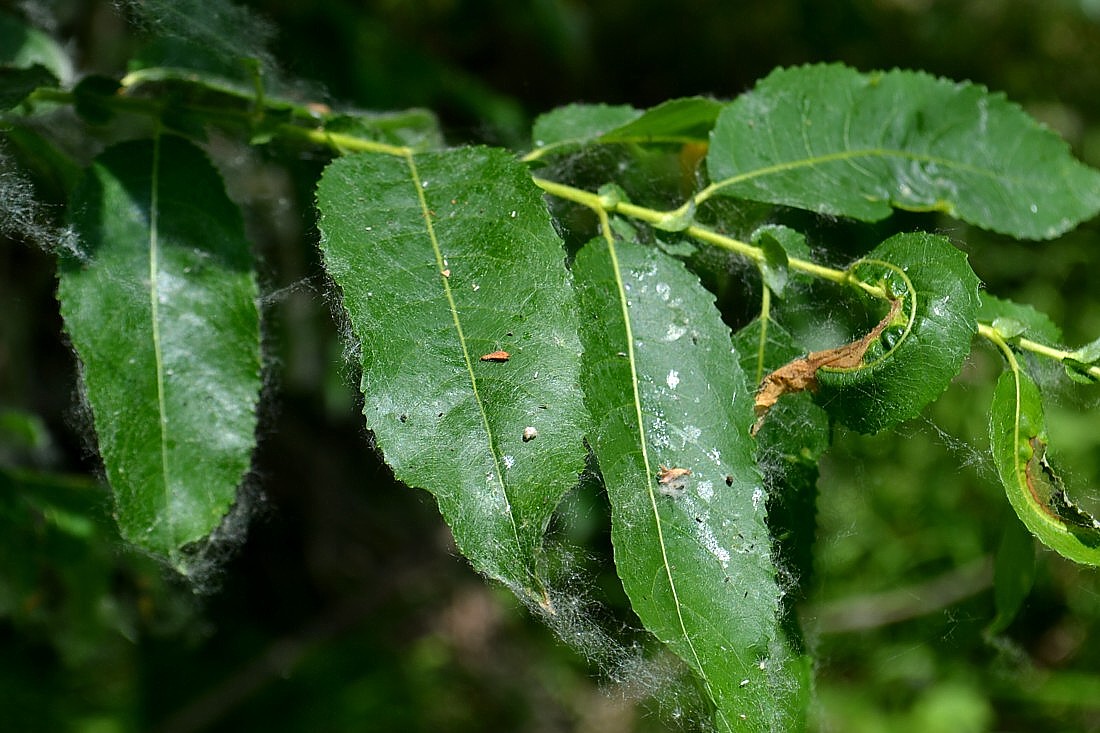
{"x": 529, "y": 434}
{"x": 801, "y": 374}
{"x": 671, "y": 480}
{"x": 669, "y": 475}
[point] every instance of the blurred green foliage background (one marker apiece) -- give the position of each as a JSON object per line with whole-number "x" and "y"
{"x": 340, "y": 604}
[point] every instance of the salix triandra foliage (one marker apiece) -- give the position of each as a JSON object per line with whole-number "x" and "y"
{"x": 514, "y": 325}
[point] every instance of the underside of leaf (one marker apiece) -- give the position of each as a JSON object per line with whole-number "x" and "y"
{"x": 161, "y": 309}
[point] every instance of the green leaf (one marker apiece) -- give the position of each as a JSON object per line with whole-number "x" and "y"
{"x": 832, "y": 140}
{"x": 1008, "y": 328}
{"x": 442, "y": 259}
{"x": 161, "y": 309}
{"x": 1035, "y": 324}
{"x": 692, "y": 549}
{"x": 244, "y": 103}
{"x": 677, "y": 121}
{"x": 415, "y": 128}
{"x": 1013, "y": 574}
{"x": 216, "y": 36}
{"x": 789, "y": 444}
{"x": 683, "y": 120}
{"x": 1079, "y": 362}
{"x": 24, "y": 47}
{"x": 16, "y": 84}
{"x": 918, "y": 358}
{"x": 1087, "y": 354}
{"x": 1018, "y": 436}
{"x": 567, "y": 128}
{"x": 778, "y": 243}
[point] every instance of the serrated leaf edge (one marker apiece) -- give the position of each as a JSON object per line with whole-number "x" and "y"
{"x": 650, "y": 474}
{"x": 468, "y": 358}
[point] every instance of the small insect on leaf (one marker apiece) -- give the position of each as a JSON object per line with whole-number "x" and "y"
{"x": 671, "y": 480}
{"x": 671, "y": 475}
{"x": 529, "y": 434}
{"x": 497, "y": 356}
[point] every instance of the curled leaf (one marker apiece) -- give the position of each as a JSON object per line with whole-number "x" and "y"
{"x": 801, "y": 374}
{"x": 1019, "y": 441}
{"x": 941, "y": 300}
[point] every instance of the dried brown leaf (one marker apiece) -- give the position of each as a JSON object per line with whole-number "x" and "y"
{"x": 801, "y": 374}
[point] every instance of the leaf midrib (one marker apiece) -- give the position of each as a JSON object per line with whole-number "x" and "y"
{"x": 158, "y": 351}
{"x": 845, "y": 155}
{"x": 429, "y": 227}
{"x": 643, "y": 443}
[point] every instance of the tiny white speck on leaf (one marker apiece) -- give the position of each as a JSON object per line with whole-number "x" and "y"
{"x": 673, "y": 379}
{"x": 757, "y": 497}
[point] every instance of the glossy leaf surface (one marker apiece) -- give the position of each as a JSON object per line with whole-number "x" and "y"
{"x": 684, "y": 120}
{"x": 454, "y": 284}
{"x": 1018, "y": 435}
{"x": 161, "y": 309}
{"x": 672, "y": 412}
{"x": 917, "y": 358}
{"x": 830, "y": 139}
{"x": 567, "y": 128}
{"x": 1032, "y": 324}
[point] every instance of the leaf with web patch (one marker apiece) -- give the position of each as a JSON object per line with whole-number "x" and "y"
{"x": 1033, "y": 324}
{"x": 568, "y": 128}
{"x": 1019, "y": 441}
{"x": 918, "y": 355}
{"x": 161, "y": 309}
{"x": 692, "y": 549}
{"x": 454, "y": 283}
{"x": 684, "y": 121}
{"x": 788, "y": 445}
{"x": 830, "y": 139}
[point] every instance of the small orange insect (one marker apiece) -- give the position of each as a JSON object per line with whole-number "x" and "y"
{"x": 669, "y": 475}
{"x": 497, "y": 356}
